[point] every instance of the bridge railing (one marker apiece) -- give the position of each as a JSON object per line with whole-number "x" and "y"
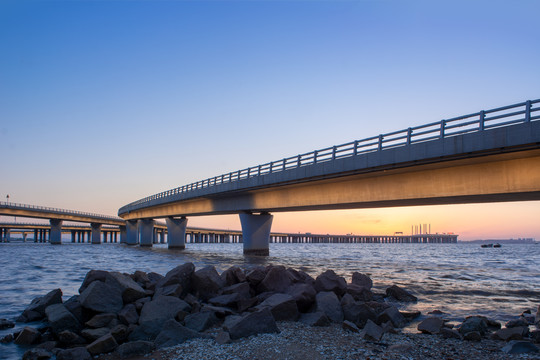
{"x": 476, "y": 122}
{"x": 58, "y": 211}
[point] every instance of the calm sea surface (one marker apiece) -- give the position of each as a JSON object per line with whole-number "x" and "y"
{"x": 459, "y": 279}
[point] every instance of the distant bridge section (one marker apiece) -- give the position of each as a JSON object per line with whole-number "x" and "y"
{"x": 488, "y": 156}
{"x": 57, "y": 216}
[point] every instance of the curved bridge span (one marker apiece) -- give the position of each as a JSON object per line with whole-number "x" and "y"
{"x": 489, "y": 156}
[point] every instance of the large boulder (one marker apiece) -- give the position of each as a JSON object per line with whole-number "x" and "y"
{"x": 6, "y": 324}
{"x": 102, "y": 297}
{"x": 254, "y": 323}
{"x": 102, "y": 320}
{"x": 37, "y": 354}
{"x": 282, "y": 307}
{"x": 359, "y": 293}
{"x": 129, "y": 315}
{"x": 27, "y": 336}
{"x": 77, "y": 353}
{"x": 70, "y": 338}
{"x": 60, "y": 319}
{"x": 512, "y": 333}
{"x": 520, "y": 347}
{"x": 473, "y": 324}
{"x": 328, "y": 303}
{"x": 207, "y": 283}
{"x": 359, "y": 314}
{"x": 393, "y": 315}
{"x": 255, "y": 276}
{"x": 162, "y": 309}
{"x": 400, "y": 294}
{"x": 304, "y": 295}
{"x": 330, "y": 281}
{"x": 242, "y": 289}
{"x": 91, "y": 276}
{"x": 180, "y": 275}
{"x": 104, "y": 344}
{"x": 75, "y": 307}
{"x": 233, "y": 275}
{"x": 173, "y": 334}
{"x": 133, "y": 348}
{"x": 299, "y": 276}
{"x": 201, "y": 321}
{"x": 36, "y": 310}
{"x": 372, "y": 331}
{"x": 432, "y": 325}
{"x": 228, "y": 300}
{"x": 315, "y": 319}
{"x": 277, "y": 279}
{"x": 94, "y": 334}
{"x": 131, "y": 291}
{"x": 361, "y": 280}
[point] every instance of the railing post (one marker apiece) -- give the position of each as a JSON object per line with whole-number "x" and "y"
{"x": 334, "y": 153}
{"x": 271, "y": 166}
{"x": 355, "y": 151}
{"x": 259, "y": 170}
{"x": 315, "y": 157}
{"x": 299, "y": 161}
{"x": 482, "y": 119}
{"x": 249, "y": 172}
{"x": 380, "y": 142}
{"x": 443, "y": 124}
{"x": 528, "y": 111}
{"x": 409, "y": 136}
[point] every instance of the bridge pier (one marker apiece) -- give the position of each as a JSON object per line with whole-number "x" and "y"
{"x": 176, "y": 232}
{"x": 55, "y": 236}
{"x": 132, "y": 234}
{"x": 96, "y": 233}
{"x": 146, "y": 232}
{"x": 256, "y": 233}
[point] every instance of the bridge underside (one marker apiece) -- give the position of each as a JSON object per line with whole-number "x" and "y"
{"x": 489, "y": 178}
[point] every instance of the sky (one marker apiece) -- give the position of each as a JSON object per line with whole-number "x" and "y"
{"x": 106, "y": 102}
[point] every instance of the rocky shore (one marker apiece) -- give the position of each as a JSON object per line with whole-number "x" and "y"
{"x": 265, "y": 313}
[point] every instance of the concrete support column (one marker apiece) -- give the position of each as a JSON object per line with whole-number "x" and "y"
{"x": 256, "y": 233}
{"x": 123, "y": 235}
{"x": 96, "y": 233}
{"x": 146, "y": 232}
{"x": 176, "y": 232}
{"x": 72, "y": 236}
{"x": 132, "y": 232}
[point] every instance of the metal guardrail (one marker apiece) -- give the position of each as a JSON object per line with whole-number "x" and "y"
{"x": 476, "y": 122}
{"x": 58, "y": 211}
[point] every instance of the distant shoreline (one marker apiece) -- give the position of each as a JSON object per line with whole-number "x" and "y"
{"x": 501, "y": 241}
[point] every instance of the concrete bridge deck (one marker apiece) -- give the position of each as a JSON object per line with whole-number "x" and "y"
{"x": 489, "y": 156}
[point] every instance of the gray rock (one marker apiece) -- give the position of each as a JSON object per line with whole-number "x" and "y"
{"x": 60, "y": 319}
{"x": 207, "y": 283}
{"x": 432, "y": 325}
{"x": 362, "y": 280}
{"x": 133, "y": 348}
{"x": 328, "y": 303}
{"x": 258, "y": 322}
{"x": 359, "y": 314}
{"x": 393, "y": 315}
{"x": 101, "y": 320}
{"x": 410, "y": 315}
{"x": 400, "y": 294}
{"x": 519, "y": 322}
{"x": 201, "y": 321}
{"x": 242, "y": 289}
{"x": 27, "y": 336}
{"x": 535, "y": 336}
{"x": 7, "y": 339}
{"x": 104, "y": 344}
{"x": 298, "y": 276}
{"x": 359, "y": 293}
{"x": 6, "y": 324}
{"x": 227, "y": 300}
{"x": 347, "y": 299}
{"x": 473, "y": 323}
{"x": 330, "y": 281}
{"x": 255, "y": 276}
{"x": 146, "y": 331}
{"x": 78, "y": 353}
{"x": 129, "y": 315}
{"x": 141, "y": 278}
{"x": 173, "y": 334}
{"x": 162, "y": 309}
{"x": 372, "y": 331}
{"x": 37, "y": 354}
{"x": 223, "y": 337}
{"x": 246, "y": 304}
{"x": 220, "y": 311}
{"x": 74, "y": 306}
{"x": 175, "y": 290}
{"x": 277, "y": 279}
{"x": 130, "y": 290}
{"x": 304, "y": 295}
{"x": 512, "y": 333}
{"x": 233, "y": 275}
{"x": 520, "y": 347}
{"x": 102, "y": 297}
{"x": 181, "y": 275}
{"x": 70, "y": 338}
{"x": 91, "y": 276}
{"x": 36, "y": 310}
{"x": 140, "y": 303}
{"x": 120, "y": 333}
{"x": 315, "y": 319}
{"x": 282, "y": 307}
{"x": 450, "y": 333}
{"x": 347, "y": 325}
{"x": 473, "y": 336}
{"x": 94, "y": 334}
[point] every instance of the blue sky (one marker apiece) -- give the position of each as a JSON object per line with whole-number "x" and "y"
{"x": 105, "y": 102}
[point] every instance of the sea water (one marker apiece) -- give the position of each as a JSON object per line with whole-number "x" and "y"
{"x": 459, "y": 279}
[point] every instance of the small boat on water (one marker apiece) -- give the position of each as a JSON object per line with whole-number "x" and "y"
{"x": 491, "y": 245}
{"x": 497, "y": 245}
